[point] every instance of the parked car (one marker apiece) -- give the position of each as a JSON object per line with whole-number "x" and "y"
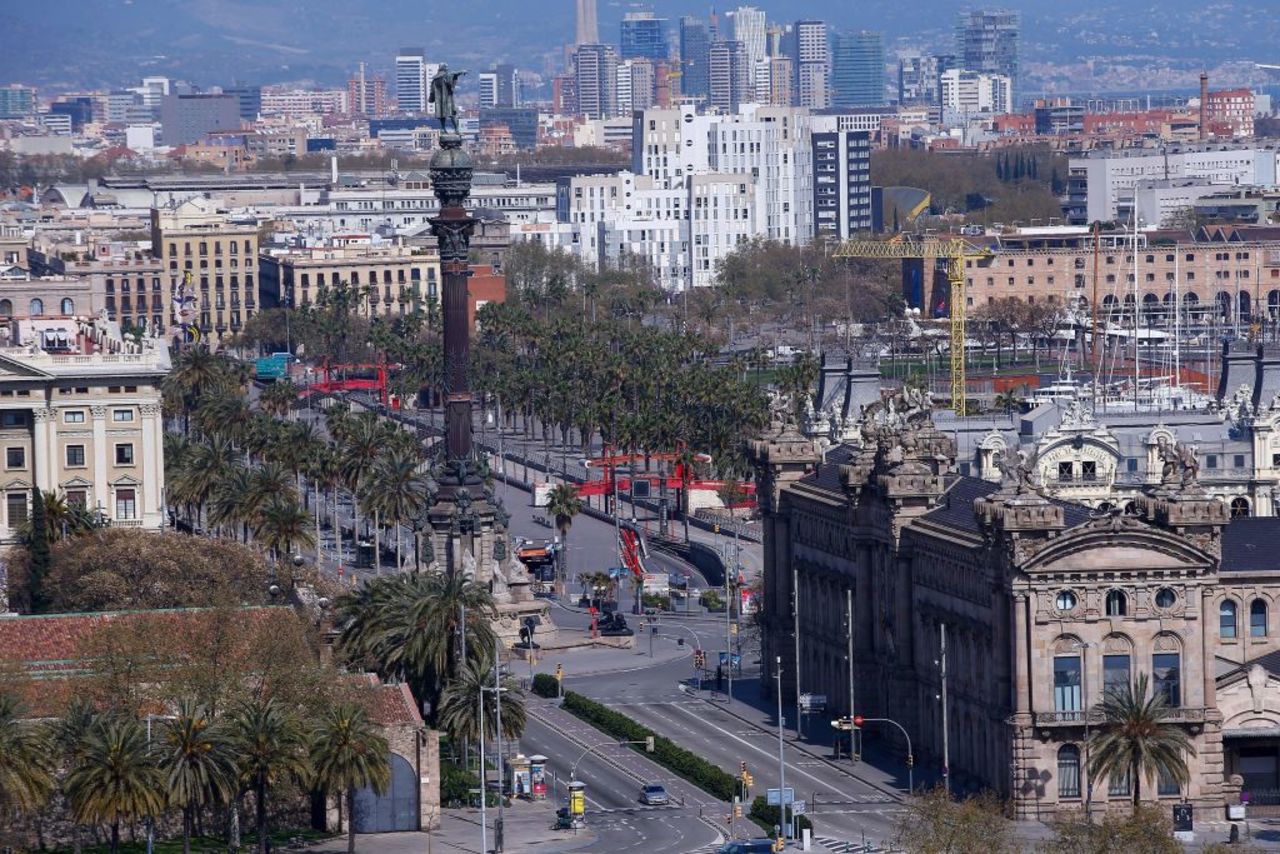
{"x": 654, "y": 795}
{"x": 747, "y": 846}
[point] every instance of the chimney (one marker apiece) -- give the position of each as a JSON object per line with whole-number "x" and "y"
{"x": 1204, "y": 105}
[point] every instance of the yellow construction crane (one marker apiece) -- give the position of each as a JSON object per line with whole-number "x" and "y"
{"x": 952, "y": 250}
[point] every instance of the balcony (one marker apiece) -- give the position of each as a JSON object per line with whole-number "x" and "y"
{"x": 1179, "y": 715}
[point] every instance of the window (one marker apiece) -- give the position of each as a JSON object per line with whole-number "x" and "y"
{"x": 1166, "y": 784}
{"x": 1066, "y": 472}
{"x": 1117, "y": 604}
{"x": 1065, "y": 600}
{"x": 122, "y": 415}
{"x": 1068, "y": 771}
{"x": 1167, "y": 669}
{"x": 68, "y": 306}
{"x": 1165, "y": 597}
{"x": 75, "y": 456}
{"x": 77, "y": 498}
{"x": 1227, "y": 619}
{"x": 126, "y": 504}
{"x": 1066, "y": 683}
{"x": 15, "y": 458}
{"x": 1119, "y": 783}
{"x": 1088, "y": 471}
{"x": 1115, "y": 672}
{"x": 1258, "y": 619}
{"x": 13, "y": 419}
{"x": 1239, "y": 508}
{"x": 73, "y": 416}
{"x": 36, "y": 307}
{"x": 124, "y": 454}
{"x": 16, "y": 504}
{"x": 6, "y": 308}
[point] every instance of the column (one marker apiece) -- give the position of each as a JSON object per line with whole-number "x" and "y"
{"x": 152, "y": 465}
{"x": 43, "y": 448}
{"x": 101, "y": 493}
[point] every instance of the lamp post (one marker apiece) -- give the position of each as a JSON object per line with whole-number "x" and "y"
{"x": 782, "y": 766}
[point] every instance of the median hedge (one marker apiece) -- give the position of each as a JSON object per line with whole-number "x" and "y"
{"x": 683, "y": 763}
{"x": 770, "y": 817}
{"x": 545, "y": 685}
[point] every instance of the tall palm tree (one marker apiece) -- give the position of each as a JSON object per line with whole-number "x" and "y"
{"x": 234, "y": 503}
{"x": 272, "y": 748}
{"x": 278, "y": 398}
{"x": 563, "y": 503}
{"x": 195, "y": 372}
{"x": 282, "y": 524}
{"x": 460, "y": 705}
{"x": 116, "y": 778}
{"x": 203, "y": 470}
{"x": 407, "y": 627}
{"x": 397, "y": 491}
{"x": 1136, "y": 739}
{"x": 26, "y": 760}
{"x": 361, "y": 443}
{"x": 195, "y": 754}
{"x": 347, "y": 754}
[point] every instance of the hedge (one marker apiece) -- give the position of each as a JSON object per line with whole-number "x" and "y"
{"x": 681, "y": 762}
{"x": 768, "y": 817}
{"x": 545, "y": 685}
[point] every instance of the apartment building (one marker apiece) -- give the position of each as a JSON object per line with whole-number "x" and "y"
{"x": 398, "y": 279}
{"x": 80, "y": 417}
{"x": 842, "y": 180}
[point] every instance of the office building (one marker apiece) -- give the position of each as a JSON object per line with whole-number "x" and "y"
{"x": 596, "y": 68}
{"x": 730, "y": 76}
{"x": 79, "y": 110}
{"x": 520, "y": 122}
{"x": 968, "y": 93}
{"x": 153, "y": 90}
{"x": 17, "y": 102}
{"x": 412, "y": 80}
{"x": 509, "y": 95}
{"x": 919, "y": 78}
{"x": 185, "y": 119}
{"x": 488, "y": 82}
{"x": 841, "y": 180}
{"x": 367, "y": 95}
{"x": 248, "y": 101}
{"x": 644, "y": 36}
{"x": 809, "y": 51}
{"x": 695, "y": 45}
{"x": 987, "y": 42}
{"x": 857, "y": 69}
{"x": 750, "y": 28}
{"x": 588, "y": 30}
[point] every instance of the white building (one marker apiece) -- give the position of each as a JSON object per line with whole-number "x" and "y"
{"x": 412, "y": 80}
{"x": 812, "y": 62}
{"x": 967, "y": 93}
{"x": 488, "y": 89}
{"x": 750, "y": 27}
{"x": 1161, "y": 203}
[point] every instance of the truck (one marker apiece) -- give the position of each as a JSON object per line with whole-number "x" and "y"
{"x": 273, "y": 367}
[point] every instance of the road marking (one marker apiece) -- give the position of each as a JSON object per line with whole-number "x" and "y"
{"x": 844, "y": 846}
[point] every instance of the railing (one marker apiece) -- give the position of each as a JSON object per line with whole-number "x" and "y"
{"x": 126, "y": 523}
{"x": 1077, "y": 718}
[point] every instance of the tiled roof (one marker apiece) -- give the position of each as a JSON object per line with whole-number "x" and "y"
{"x": 1251, "y": 544}
{"x": 956, "y": 510}
{"x": 827, "y": 475}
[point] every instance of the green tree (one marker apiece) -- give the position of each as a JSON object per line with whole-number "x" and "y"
{"x": 38, "y": 548}
{"x": 116, "y": 777}
{"x": 281, "y": 525}
{"x": 271, "y": 747}
{"x": 347, "y": 754}
{"x": 460, "y": 705}
{"x": 934, "y": 823}
{"x": 1147, "y": 830}
{"x": 195, "y": 755}
{"x": 398, "y": 491}
{"x": 1137, "y": 739}
{"x": 563, "y": 504}
{"x": 26, "y": 760}
{"x": 278, "y": 398}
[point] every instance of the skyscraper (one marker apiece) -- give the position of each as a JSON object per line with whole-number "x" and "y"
{"x": 857, "y": 69}
{"x": 694, "y": 45}
{"x": 597, "y": 80}
{"x": 811, "y": 61}
{"x": 730, "y": 76}
{"x": 987, "y": 42}
{"x": 588, "y": 30}
{"x": 643, "y": 36}
{"x": 749, "y": 28}
{"x": 488, "y": 89}
{"x": 411, "y": 80}
{"x": 918, "y": 77}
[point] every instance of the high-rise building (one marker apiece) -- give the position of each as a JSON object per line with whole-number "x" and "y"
{"x": 597, "y": 79}
{"x": 367, "y": 95}
{"x": 185, "y": 119}
{"x": 508, "y": 85}
{"x": 918, "y": 77}
{"x": 841, "y": 180}
{"x": 488, "y": 89}
{"x": 412, "y": 80}
{"x": 781, "y": 81}
{"x": 987, "y": 41}
{"x": 730, "y": 76}
{"x": 694, "y": 47}
{"x": 810, "y": 56}
{"x": 636, "y": 85}
{"x": 17, "y": 102}
{"x": 857, "y": 69}
{"x": 643, "y": 36}
{"x": 968, "y": 92}
{"x": 749, "y": 27}
{"x": 588, "y": 31}
{"x": 249, "y": 99}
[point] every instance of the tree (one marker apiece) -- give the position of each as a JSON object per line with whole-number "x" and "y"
{"x": 281, "y": 525}
{"x": 460, "y": 705}
{"x": 26, "y": 760}
{"x": 398, "y": 491}
{"x": 1135, "y": 738}
{"x": 38, "y": 547}
{"x": 272, "y": 748}
{"x": 347, "y": 754}
{"x": 195, "y": 754}
{"x": 936, "y": 824}
{"x": 1148, "y": 830}
{"x": 116, "y": 777}
{"x": 278, "y": 398}
{"x": 563, "y": 503}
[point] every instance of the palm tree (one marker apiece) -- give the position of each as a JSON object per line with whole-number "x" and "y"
{"x": 1136, "y": 739}
{"x": 271, "y": 747}
{"x": 281, "y": 525}
{"x": 278, "y": 398}
{"x": 234, "y": 504}
{"x": 347, "y": 754}
{"x": 397, "y": 491}
{"x": 563, "y": 503}
{"x": 362, "y": 440}
{"x": 196, "y": 757}
{"x": 195, "y": 371}
{"x": 203, "y": 470}
{"x": 407, "y": 627}
{"x": 116, "y": 777}
{"x": 460, "y": 705}
{"x": 26, "y": 759}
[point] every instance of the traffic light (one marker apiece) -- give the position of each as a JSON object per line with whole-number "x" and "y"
{"x": 737, "y": 809}
{"x": 648, "y": 744}
{"x": 559, "y": 672}
{"x": 857, "y": 720}
{"x": 749, "y": 780}
{"x": 742, "y": 766}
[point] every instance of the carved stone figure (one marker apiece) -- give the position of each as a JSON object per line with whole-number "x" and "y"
{"x": 442, "y": 86}
{"x": 1170, "y": 464}
{"x": 1189, "y": 463}
{"x": 1018, "y": 477}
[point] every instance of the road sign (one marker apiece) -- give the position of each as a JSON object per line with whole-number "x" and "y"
{"x": 776, "y": 797}
{"x": 813, "y": 702}
{"x": 1182, "y": 818}
{"x": 799, "y": 807}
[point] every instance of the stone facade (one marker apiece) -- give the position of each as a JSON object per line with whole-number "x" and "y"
{"x": 1045, "y": 603}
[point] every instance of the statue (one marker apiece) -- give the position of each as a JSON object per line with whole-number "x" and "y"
{"x": 1170, "y": 462}
{"x": 1190, "y": 464}
{"x": 1016, "y": 477}
{"x": 442, "y": 86}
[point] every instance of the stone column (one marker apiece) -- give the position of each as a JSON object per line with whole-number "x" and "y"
{"x": 44, "y": 447}
{"x": 152, "y": 465}
{"x": 101, "y": 492}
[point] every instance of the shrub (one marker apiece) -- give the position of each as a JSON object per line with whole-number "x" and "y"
{"x": 653, "y": 600}
{"x": 545, "y": 685}
{"x": 710, "y": 599}
{"x": 768, "y": 817}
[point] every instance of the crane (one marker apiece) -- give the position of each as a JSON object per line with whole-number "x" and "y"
{"x": 955, "y": 251}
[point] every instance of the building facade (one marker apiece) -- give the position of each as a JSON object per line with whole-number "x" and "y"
{"x": 987, "y": 41}
{"x": 857, "y": 69}
{"x": 643, "y": 36}
{"x": 597, "y": 80}
{"x": 412, "y": 80}
{"x": 396, "y": 279}
{"x": 841, "y": 180}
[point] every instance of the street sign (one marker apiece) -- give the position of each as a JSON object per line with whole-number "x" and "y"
{"x": 775, "y": 797}
{"x": 799, "y": 807}
{"x": 724, "y": 659}
{"x": 1182, "y": 818}
{"x": 813, "y": 703}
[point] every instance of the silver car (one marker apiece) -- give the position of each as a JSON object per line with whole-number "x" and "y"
{"x": 654, "y": 795}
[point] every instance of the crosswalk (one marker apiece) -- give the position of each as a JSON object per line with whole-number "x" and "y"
{"x": 844, "y": 846}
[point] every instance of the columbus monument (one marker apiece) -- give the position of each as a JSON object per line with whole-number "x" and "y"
{"x": 466, "y": 530}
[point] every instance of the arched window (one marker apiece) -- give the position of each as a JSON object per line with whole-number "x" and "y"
{"x": 68, "y": 306}
{"x": 1066, "y": 682}
{"x": 1227, "y": 619}
{"x": 1068, "y": 771}
{"x": 1117, "y": 604}
{"x": 1258, "y": 618}
{"x": 6, "y": 308}
{"x": 36, "y": 308}
{"x": 1166, "y": 671}
{"x": 1239, "y": 508}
